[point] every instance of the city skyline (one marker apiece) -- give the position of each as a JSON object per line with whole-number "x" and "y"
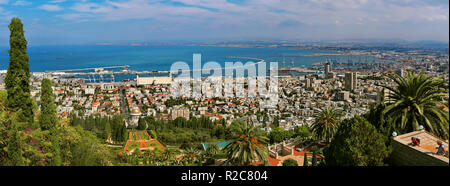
{"x": 97, "y": 21}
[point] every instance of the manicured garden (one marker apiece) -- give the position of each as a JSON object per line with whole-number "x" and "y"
{"x": 143, "y": 141}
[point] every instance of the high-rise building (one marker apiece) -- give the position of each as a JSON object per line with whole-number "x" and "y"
{"x": 327, "y": 70}
{"x": 355, "y": 80}
{"x": 307, "y": 82}
{"x": 351, "y": 81}
{"x": 348, "y": 81}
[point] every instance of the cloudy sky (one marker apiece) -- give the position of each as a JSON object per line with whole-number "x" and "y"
{"x": 95, "y": 21}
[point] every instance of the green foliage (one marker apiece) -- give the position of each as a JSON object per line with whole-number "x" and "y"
{"x": 416, "y": 99}
{"x": 3, "y": 97}
{"x": 381, "y": 121}
{"x": 172, "y": 102}
{"x": 278, "y": 135}
{"x": 153, "y": 134}
{"x": 56, "y": 160}
{"x": 30, "y": 147}
{"x": 305, "y": 160}
{"x": 303, "y": 132}
{"x": 248, "y": 145}
{"x": 82, "y": 148}
{"x": 169, "y": 154}
{"x": 314, "y": 158}
{"x": 183, "y": 135}
{"x": 14, "y": 150}
{"x": 326, "y": 123}
{"x": 357, "y": 143}
{"x": 142, "y": 124}
{"x": 21, "y": 144}
{"x": 276, "y": 122}
{"x": 107, "y": 130}
{"x": 191, "y": 154}
{"x": 290, "y": 162}
{"x": 103, "y": 126}
{"x": 17, "y": 80}
{"x": 213, "y": 149}
{"x": 181, "y": 131}
{"x": 47, "y": 117}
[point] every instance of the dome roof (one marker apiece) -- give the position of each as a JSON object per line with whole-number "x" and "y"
{"x": 135, "y": 111}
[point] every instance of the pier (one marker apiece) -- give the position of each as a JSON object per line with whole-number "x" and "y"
{"x": 98, "y": 73}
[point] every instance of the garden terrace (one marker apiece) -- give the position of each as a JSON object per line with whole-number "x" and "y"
{"x": 143, "y": 141}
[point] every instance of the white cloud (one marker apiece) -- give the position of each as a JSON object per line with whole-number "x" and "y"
{"x": 51, "y": 8}
{"x": 57, "y": 1}
{"x": 22, "y": 3}
{"x": 269, "y": 12}
{"x": 91, "y": 7}
{"x": 266, "y": 17}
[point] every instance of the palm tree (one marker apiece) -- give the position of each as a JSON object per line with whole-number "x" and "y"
{"x": 248, "y": 145}
{"x": 326, "y": 123}
{"x": 415, "y": 100}
{"x": 191, "y": 154}
{"x": 213, "y": 149}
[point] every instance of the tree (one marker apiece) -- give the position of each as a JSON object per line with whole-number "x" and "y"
{"x": 247, "y": 145}
{"x": 416, "y": 99}
{"x": 276, "y": 122}
{"x": 142, "y": 124}
{"x": 213, "y": 149}
{"x": 54, "y": 137}
{"x": 378, "y": 119}
{"x": 153, "y": 134}
{"x": 326, "y": 123}
{"x": 290, "y": 162}
{"x": 305, "y": 160}
{"x": 191, "y": 154}
{"x": 88, "y": 151}
{"x": 107, "y": 131}
{"x": 47, "y": 117}
{"x": 17, "y": 80}
{"x": 303, "y": 132}
{"x": 314, "y": 158}
{"x": 278, "y": 134}
{"x": 357, "y": 143}
{"x": 14, "y": 150}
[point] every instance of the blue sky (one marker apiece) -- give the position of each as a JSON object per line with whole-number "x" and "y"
{"x": 49, "y": 22}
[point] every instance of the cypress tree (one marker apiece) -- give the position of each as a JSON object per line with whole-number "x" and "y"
{"x": 107, "y": 130}
{"x": 47, "y": 118}
{"x": 17, "y": 80}
{"x": 314, "y": 158}
{"x": 124, "y": 134}
{"x": 14, "y": 150}
{"x": 56, "y": 161}
{"x": 142, "y": 125}
{"x": 305, "y": 162}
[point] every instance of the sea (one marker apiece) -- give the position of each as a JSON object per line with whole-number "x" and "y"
{"x": 160, "y": 58}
